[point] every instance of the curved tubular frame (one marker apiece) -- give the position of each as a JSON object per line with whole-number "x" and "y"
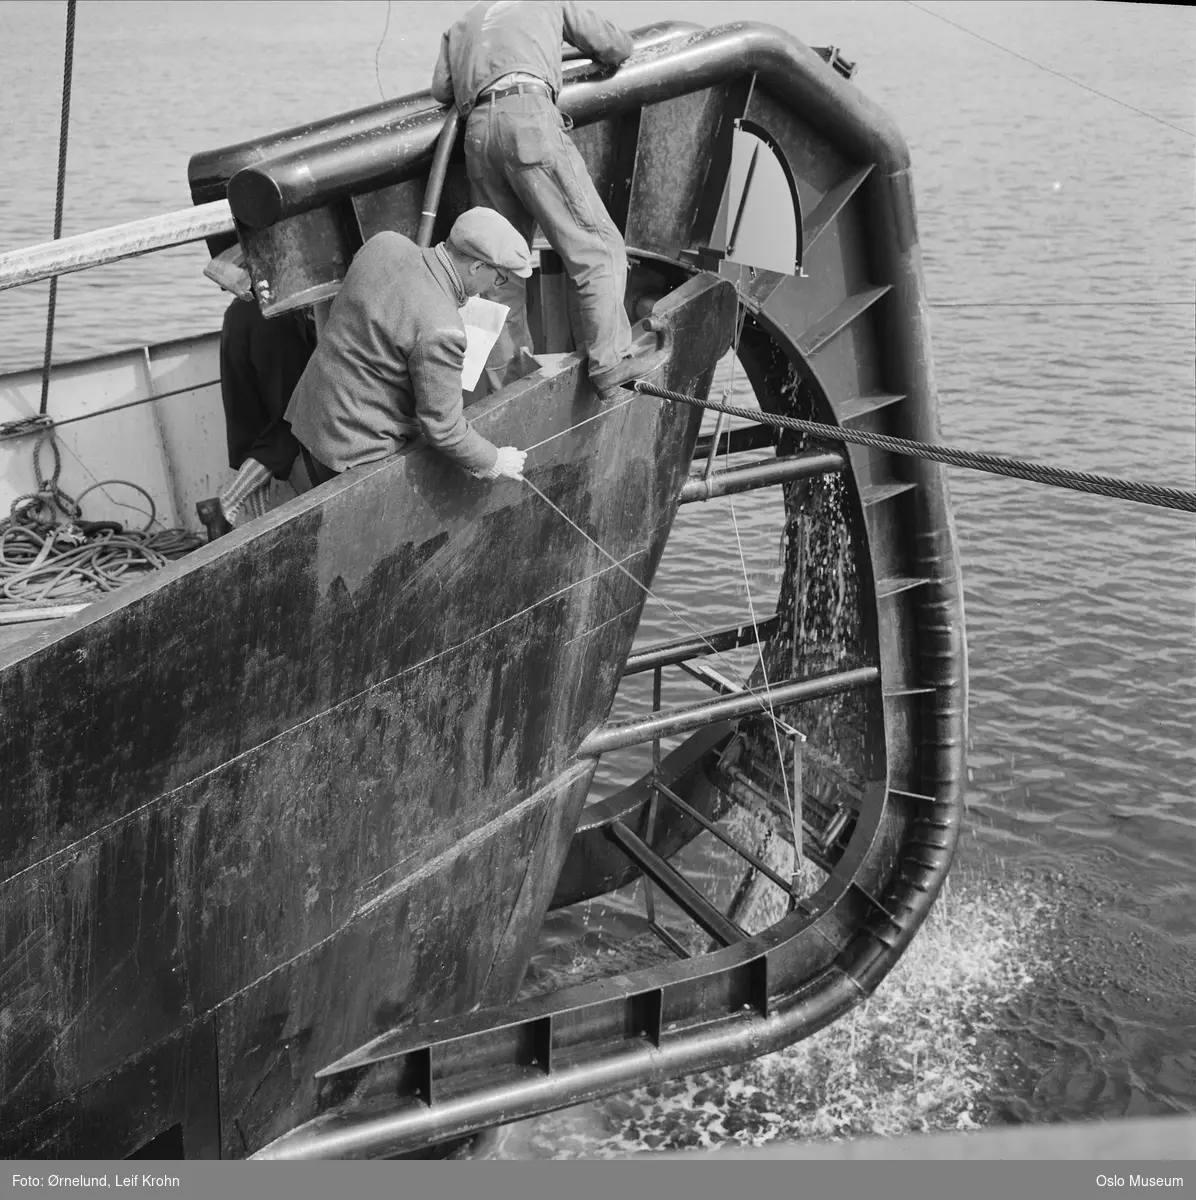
{"x": 412, "y": 1087}
{"x": 407, "y": 126}
{"x": 316, "y": 165}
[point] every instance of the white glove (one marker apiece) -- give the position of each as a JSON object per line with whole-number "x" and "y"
{"x": 508, "y": 464}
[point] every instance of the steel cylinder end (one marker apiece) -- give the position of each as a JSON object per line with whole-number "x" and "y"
{"x": 255, "y": 198}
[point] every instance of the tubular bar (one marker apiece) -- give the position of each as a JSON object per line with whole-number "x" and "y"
{"x": 726, "y": 839}
{"x": 101, "y": 246}
{"x": 730, "y": 637}
{"x": 712, "y": 679}
{"x": 435, "y": 184}
{"x": 760, "y": 475}
{"x": 614, "y": 735}
{"x": 823, "y": 842}
{"x": 750, "y": 437}
{"x": 675, "y": 885}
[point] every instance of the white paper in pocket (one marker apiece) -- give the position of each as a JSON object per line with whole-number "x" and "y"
{"x": 483, "y": 321}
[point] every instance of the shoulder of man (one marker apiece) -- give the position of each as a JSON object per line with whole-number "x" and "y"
{"x": 388, "y": 244}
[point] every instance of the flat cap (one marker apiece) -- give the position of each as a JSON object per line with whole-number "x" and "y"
{"x": 487, "y": 235}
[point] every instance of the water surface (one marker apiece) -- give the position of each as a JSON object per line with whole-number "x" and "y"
{"x": 1058, "y": 235}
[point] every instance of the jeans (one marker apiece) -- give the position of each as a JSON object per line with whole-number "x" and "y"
{"x": 522, "y": 163}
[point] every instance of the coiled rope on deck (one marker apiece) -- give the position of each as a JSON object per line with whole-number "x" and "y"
{"x": 50, "y": 565}
{"x": 46, "y": 560}
{"x": 1078, "y": 481}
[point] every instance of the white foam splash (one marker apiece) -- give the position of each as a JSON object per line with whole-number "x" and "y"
{"x": 918, "y": 1056}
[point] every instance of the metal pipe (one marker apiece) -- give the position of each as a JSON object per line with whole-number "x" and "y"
{"x": 711, "y": 678}
{"x": 531, "y": 1091}
{"x": 350, "y": 160}
{"x": 675, "y": 885}
{"x": 760, "y": 475}
{"x": 287, "y": 184}
{"x": 209, "y": 171}
{"x": 712, "y": 456}
{"x": 747, "y": 183}
{"x": 749, "y": 437}
{"x": 730, "y": 637}
{"x": 673, "y": 944}
{"x": 435, "y": 184}
{"x": 725, "y": 838}
{"x": 101, "y": 246}
{"x": 614, "y": 735}
{"x": 653, "y": 800}
{"x": 770, "y": 799}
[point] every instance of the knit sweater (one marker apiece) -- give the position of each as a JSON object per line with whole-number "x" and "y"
{"x": 498, "y": 37}
{"x": 388, "y": 364}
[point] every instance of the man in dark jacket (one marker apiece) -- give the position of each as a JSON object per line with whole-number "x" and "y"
{"x": 261, "y": 361}
{"x": 501, "y": 65}
{"x": 389, "y": 360}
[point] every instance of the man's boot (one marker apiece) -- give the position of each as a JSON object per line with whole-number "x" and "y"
{"x": 644, "y": 361}
{"x": 213, "y": 518}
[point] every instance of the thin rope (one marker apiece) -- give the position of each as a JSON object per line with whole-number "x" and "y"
{"x": 43, "y": 561}
{"x": 639, "y": 583}
{"x": 1078, "y": 481}
{"x": 791, "y": 802}
{"x": 378, "y": 51}
{"x": 768, "y": 700}
{"x": 1051, "y": 71}
{"x": 64, "y": 124}
{"x": 28, "y": 426}
{"x": 609, "y": 410}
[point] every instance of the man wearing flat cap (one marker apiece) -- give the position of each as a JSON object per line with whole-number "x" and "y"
{"x": 388, "y": 363}
{"x": 501, "y": 65}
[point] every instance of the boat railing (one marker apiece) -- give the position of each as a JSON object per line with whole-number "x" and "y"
{"x": 213, "y": 218}
{"x": 297, "y": 170}
{"x": 97, "y": 247}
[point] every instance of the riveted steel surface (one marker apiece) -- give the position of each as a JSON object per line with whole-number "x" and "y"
{"x": 319, "y": 777}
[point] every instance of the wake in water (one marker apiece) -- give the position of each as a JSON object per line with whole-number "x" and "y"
{"x": 921, "y": 1055}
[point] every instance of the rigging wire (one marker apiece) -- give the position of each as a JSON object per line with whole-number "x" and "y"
{"x": 639, "y": 583}
{"x": 1051, "y": 71}
{"x": 791, "y": 802}
{"x": 63, "y": 128}
{"x": 43, "y": 559}
{"x": 378, "y": 51}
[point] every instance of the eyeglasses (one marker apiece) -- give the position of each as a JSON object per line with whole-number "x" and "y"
{"x": 500, "y": 276}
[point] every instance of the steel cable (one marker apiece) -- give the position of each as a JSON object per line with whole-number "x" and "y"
{"x": 1079, "y": 481}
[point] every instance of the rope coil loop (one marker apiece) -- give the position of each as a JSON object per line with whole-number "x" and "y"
{"x": 48, "y": 554}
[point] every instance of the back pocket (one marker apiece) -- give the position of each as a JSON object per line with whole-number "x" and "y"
{"x": 532, "y": 144}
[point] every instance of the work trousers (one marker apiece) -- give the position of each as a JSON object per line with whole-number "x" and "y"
{"x": 522, "y": 163}
{"x": 260, "y": 364}
{"x": 317, "y": 471}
